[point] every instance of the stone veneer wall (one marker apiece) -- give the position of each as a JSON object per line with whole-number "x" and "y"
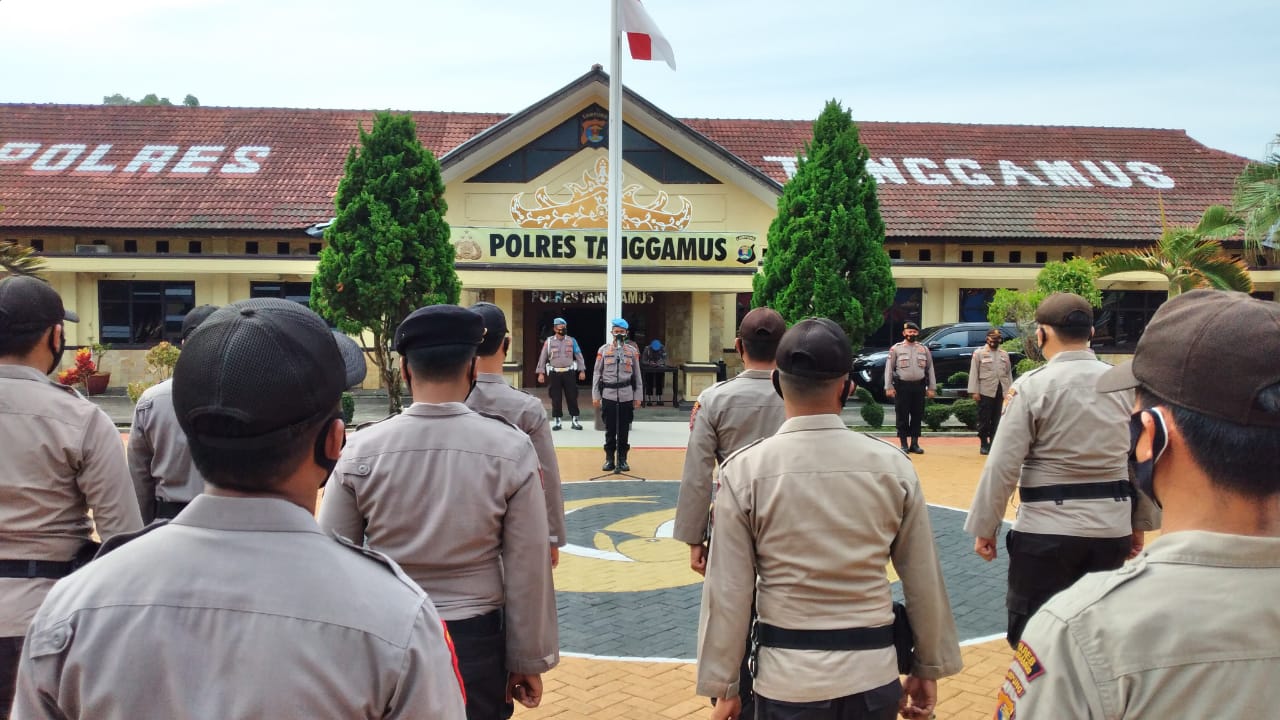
{"x": 679, "y": 310}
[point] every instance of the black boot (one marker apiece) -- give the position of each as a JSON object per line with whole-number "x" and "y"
{"x": 984, "y": 446}
{"x": 556, "y": 426}
{"x": 622, "y": 461}
{"x": 608, "y": 461}
{"x": 903, "y": 442}
{"x": 915, "y": 447}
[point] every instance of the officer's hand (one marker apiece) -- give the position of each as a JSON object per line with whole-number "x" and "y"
{"x": 698, "y": 559}
{"x": 928, "y": 393}
{"x": 555, "y": 557}
{"x": 976, "y": 396}
{"x": 542, "y": 378}
{"x": 985, "y": 547}
{"x": 727, "y": 709}
{"x": 919, "y": 696}
{"x": 582, "y": 376}
{"x": 890, "y": 393}
{"x": 524, "y": 689}
{"x": 595, "y": 404}
{"x": 637, "y": 403}
{"x": 1139, "y": 541}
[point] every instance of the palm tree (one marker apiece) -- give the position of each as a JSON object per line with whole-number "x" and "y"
{"x": 1257, "y": 200}
{"x": 1190, "y": 256}
{"x": 19, "y": 260}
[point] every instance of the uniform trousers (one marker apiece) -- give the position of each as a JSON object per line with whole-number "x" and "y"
{"x": 989, "y": 414}
{"x": 1042, "y": 565}
{"x": 563, "y": 384}
{"x": 654, "y": 380}
{"x": 481, "y": 647}
{"x": 877, "y": 704}
{"x": 10, "y": 653}
{"x": 617, "y": 424}
{"x": 908, "y": 405}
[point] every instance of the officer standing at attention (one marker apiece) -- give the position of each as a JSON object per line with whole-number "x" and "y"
{"x": 61, "y": 458}
{"x": 456, "y": 498}
{"x": 1064, "y": 447}
{"x": 805, "y": 522}
{"x": 727, "y": 416}
{"x": 560, "y": 359}
{"x": 1189, "y": 628}
{"x": 990, "y": 376}
{"x": 248, "y": 610}
{"x": 494, "y": 396}
{"x": 616, "y": 391}
{"x": 163, "y": 476}
{"x": 908, "y": 379}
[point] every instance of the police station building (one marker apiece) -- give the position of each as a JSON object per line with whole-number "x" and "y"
{"x": 141, "y": 213}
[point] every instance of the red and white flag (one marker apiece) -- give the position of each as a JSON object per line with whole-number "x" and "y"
{"x": 643, "y": 37}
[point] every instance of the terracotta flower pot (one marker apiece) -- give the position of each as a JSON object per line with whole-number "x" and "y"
{"x": 97, "y": 383}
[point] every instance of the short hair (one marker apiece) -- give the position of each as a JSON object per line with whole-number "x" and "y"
{"x": 252, "y": 470}
{"x": 437, "y": 363}
{"x": 1243, "y": 459}
{"x": 1073, "y": 333}
{"x": 761, "y": 349}
{"x": 20, "y": 344}
{"x": 805, "y": 389}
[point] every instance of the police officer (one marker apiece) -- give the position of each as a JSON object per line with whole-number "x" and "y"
{"x": 727, "y": 416}
{"x": 163, "y": 476}
{"x": 815, "y": 501}
{"x": 455, "y": 497}
{"x": 494, "y": 396}
{"x": 908, "y": 379}
{"x": 616, "y": 391}
{"x": 559, "y": 360}
{"x": 240, "y": 607}
{"x": 1064, "y": 448}
{"x": 1188, "y": 628}
{"x": 990, "y": 375}
{"x": 62, "y": 457}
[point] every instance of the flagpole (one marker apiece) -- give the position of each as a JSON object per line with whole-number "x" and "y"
{"x": 613, "y": 281}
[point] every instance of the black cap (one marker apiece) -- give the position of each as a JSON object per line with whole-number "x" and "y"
{"x": 495, "y": 326}
{"x": 439, "y": 325}
{"x": 1181, "y": 358}
{"x": 815, "y": 348}
{"x": 762, "y": 324}
{"x": 352, "y": 358}
{"x": 29, "y": 305}
{"x": 1065, "y": 310}
{"x": 193, "y": 319}
{"x": 256, "y": 374}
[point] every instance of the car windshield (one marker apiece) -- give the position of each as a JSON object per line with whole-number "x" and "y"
{"x": 928, "y": 332}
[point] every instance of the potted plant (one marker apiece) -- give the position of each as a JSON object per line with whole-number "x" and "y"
{"x": 81, "y": 371}
{"x": 97, "y": 381}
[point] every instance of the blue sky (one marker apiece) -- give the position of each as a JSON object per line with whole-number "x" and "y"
{"x": 1207, "y": 67}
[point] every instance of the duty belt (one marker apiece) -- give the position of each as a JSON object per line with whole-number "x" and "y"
{"x": 565, "y": 369}
{"x": 1118, "y": 490}
{"x": 871, "y": 638}
{"x": 35, "y": 569}
{"x": 615, "y": 385}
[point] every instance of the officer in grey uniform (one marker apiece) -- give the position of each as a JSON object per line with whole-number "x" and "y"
{"x": 456, "y": 498}
{"x": 62, "y": 458}
{"x": 805, "y": 522}
{"x": 617, "y": 389}
{"x": 241, "y": 607}
{"x": 990, "y": 376}
{"x": 909, "y": 380}
{"x": 1189, "y": 628}
{"x": 494, "y": 396}
{"x": 164, "y": 478}
{"x": 559, "y": 361}
{"x": 1064, "y": 448}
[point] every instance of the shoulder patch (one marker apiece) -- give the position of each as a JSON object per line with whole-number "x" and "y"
{"x": 693, "y": 414}
{"x": 1027, "y": 661}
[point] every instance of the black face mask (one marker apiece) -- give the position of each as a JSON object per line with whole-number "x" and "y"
{"x": 993, "y": 343}
{"x": 559, "y": 331}
{"x": 912, "y": 338}
{"x": 321, "y": 457}
{"x": 1144, "y": 471}
{"x": 57, "y": 351}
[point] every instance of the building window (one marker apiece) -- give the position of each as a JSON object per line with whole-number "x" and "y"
{"x": 138, "y": 313}
{"x": 162, "y": 247}
{"x": 1068, "y": 256}
{"x": 1267, "y": 295}
{"x": 895, "y": 254}
{"x": 131, "y": 246}
{"x": 195, "y": 247}
{"x": 1124, "y": 314}
{"x": 988, "y": 256}
{"x": 966, "y": 256}
{"x": 974, "y": 302}
{"x": 905, "y": 308}
{"x": 314, "y": 248}
{"x": 1041, "y": 257}
{"x": 37, "y": 244}
{"x": 1015, "y": 256}
{"x": 251, "y": 247}
{"x": 925, "y": 255}
{"x": 299, "y": 292}
{"x": 282, "y": 248}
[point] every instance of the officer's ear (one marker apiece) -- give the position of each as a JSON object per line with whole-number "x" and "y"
{"x": 777, "y": 385}
{"x": 404, "y": 370}
{"x": 737, "y": 345}
{"x": 506, "y": 345}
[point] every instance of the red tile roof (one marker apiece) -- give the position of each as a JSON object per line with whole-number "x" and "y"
{"x": 213, "y": 172}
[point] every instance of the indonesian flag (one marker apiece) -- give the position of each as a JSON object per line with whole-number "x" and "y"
{"x": 643, "y": 36}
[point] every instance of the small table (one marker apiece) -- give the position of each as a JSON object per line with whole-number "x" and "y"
{"x": 674, "y": 383}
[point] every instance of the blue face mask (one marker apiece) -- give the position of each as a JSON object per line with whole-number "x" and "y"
{"x": 1144, "y": 471}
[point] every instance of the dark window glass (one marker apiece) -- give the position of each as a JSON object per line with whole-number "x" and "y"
{"x": 895, "y": 254}
{"x": 956, "y": 339}
{"x": 162, "y": 247}
{"x": 1067, "y": 256}
{"x": 314, "y": 248}
{"x": 195, "y": 247}
{"x": 282, "y": 248}
{"x": 131, "y": 246}
{"x": 926, "y": 255}
{"x": 974, "y": 302}
{"x": 966, "y": 256}
{"x": 1267, "y": 295}
{"x": 988, "y": 256}
{"x": 1042, "y": 257}
{"x": 1124, "y": 314}
{"x": 251, "y": 247}
{"x": 1015, "y": 256}
{"x": 299, "y": 292}
{"x": 37, "y": 244}
{"x": 977, "y": 338}
{"x": 905, "y": 308}
{"x": 142, "y": 313}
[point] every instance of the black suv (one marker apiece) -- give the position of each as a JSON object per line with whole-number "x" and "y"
{"x": 952, "y": 346}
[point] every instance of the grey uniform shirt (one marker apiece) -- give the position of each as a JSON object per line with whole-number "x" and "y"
{"x": 727, "y": 416}
{"x": 1188, "y": 629}
{"x": 158, "y": 456}
{"x": 989, "y": 371}
{"x": 561, "y": 353}
{"x": 494, "y": 396}
{"x": 911, "y": 362}
{"x": 807, "y": 520}
{"x": 62, "y": 458}
{"x": 1058, "y": 429}
{"x": 456, "y": 499}
{"x": 617, "y": 363}
{"x": 237, "y": 608}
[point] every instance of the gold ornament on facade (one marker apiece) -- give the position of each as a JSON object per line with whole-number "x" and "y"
{"x": 588, "y": 207}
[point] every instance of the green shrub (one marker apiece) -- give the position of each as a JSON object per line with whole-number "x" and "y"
{"x": 958, "y": 380}
{"x": 135, "y": 390}
{"x": 1027, "y": 365}
{"x": 935, "y": 414}
{"x": 873, "y": 414}
{"x": 966, "y": 411}
{"x": 864, "y": 396}
{"x": 348, "y": 407}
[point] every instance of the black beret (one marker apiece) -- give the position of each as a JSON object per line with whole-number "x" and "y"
{"x": 435, "y": 325}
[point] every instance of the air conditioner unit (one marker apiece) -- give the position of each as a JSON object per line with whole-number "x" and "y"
{"x": 93, "y": 249}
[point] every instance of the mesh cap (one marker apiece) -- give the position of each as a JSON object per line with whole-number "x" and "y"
{"x": 815, "y": 348}
{"x": 352, "y": 358}
{"x": 762, "y": 324}
{"x": 29, "y": 305}
{"x": 256, "y": 374}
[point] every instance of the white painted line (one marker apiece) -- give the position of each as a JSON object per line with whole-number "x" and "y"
{"x": 628, "y": 658}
